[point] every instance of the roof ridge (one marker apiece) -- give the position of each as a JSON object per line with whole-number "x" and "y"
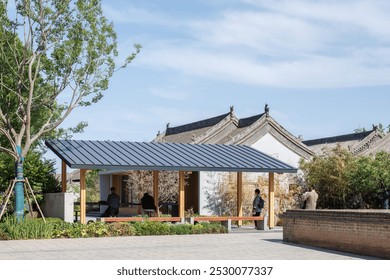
{"x": 248, "y": 121}
{"x": 196, "y": 125}
{"x": 339, "y": 138}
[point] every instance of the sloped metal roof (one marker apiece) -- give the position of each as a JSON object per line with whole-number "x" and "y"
{"x": 115, "y": 155}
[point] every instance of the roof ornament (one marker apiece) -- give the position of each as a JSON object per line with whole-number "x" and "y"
{"x": 231, "y": 111}
{"x": 266, "y": 109}
{"x": 158, "y": 133}
{"x": 374, "y": 127}
{"x": 167, "y": 125}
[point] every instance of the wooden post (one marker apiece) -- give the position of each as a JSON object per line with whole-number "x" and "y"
{"x": 63, "y": 177}
{"x": 181, "y": 194}
{"x": 271, "y": 200}
{"x": 83, "y": 198}
{"x": 239, "y": 197}
{"x": 155, "y": 191}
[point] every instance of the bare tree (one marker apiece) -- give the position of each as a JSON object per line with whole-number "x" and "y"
{"x": 168, "y": 182}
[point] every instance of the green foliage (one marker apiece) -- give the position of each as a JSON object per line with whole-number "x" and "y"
{"x": 329, "y": 172}
{"x": 29, "y": 228}
{"x": 370, "y": 179}
{"x": 55, "y": 56}
{"x": 151, "y": 228}
{"x": 92, "y": 185}
{"x": 39, "y": 171}
{"x": 203, "y": 228}
{"x": 121, "y": 229}
{"x": 380, "y": 127}
{"x": 345, "y": 181}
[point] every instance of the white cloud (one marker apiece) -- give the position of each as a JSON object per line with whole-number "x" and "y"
{"x": 315, "y": 71}
{"x": 303, "y": 44}
{"x": 263, "y": 33}
{"x": 367, "y": 15}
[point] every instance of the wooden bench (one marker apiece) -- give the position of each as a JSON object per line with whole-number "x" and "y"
{"x": 232, "y": 218}
{"x": 225, "y": 220}
{"x": 138, "y": 219}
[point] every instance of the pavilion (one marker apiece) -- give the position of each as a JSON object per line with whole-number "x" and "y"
{"x": 156, "y": 156}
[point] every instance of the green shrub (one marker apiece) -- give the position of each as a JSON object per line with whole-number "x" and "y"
{"x": 121, "y": 229}
{"x": 11, "y": 229}
{"x": 182, "y": 229}
{"x": 151, "y": 228}
{"x": 28, "y": 228}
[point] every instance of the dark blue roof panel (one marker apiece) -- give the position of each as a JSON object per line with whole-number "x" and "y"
{"x": 112, "y": 155}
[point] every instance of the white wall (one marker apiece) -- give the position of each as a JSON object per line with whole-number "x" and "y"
{"x": 271, "y": 146}
{"x": 207, "y": 180}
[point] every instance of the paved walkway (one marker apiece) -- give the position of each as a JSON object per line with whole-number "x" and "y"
{"x": 240, "y": 244}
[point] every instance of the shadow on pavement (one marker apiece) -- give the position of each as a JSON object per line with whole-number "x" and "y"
{"x": 346, "y": 254}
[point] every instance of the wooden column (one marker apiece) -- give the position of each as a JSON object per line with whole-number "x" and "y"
{"x": 83, "y": 197}
{"x": 155, "y": 191}
{"x": 271, "y": 200}
{"x": 239, "y": 197}
{"x": 63, "y": 177}
{"x": 181, "y": 194}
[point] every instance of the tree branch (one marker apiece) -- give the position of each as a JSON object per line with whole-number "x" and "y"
{"x": 10, "y": 152}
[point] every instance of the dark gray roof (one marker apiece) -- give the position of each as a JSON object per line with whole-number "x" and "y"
{"x": 195, "y": 125}
{"x": 341, "y": 138}
{"x": 244, "y": 122}
{"x": 114, "y": 155}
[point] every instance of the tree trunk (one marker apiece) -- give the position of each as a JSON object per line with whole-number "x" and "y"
{"x": 19, "y": 190}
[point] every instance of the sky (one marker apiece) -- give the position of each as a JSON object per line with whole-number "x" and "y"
{"x": 323, "y": 67}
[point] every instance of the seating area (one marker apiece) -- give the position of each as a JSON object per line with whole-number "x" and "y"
{"x": 225, "y": 220}
{"x": 138, "y": 219}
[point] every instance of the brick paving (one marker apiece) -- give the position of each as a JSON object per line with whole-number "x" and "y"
{"x": 241, "y": 244}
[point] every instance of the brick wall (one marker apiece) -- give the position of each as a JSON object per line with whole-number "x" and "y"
{"x": 365, "y": 232}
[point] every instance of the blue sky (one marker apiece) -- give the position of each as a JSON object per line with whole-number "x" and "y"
{"x": 322, "y": 66}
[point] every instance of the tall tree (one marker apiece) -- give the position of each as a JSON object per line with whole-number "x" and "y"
{"x": 58, "y": 55}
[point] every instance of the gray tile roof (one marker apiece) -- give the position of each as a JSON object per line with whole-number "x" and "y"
{"x": 381, "y": 145}
{"x": 357, "y": 143}
{"x": 113, "y": 155}
{"x": 195, "y": 125}
{"x": 340, "y": 138}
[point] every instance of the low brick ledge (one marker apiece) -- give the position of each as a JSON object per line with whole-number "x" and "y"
{"x": 365, "y": 232}
{"x": 345, "y": 215}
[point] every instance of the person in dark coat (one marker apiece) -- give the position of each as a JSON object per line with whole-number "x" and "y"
{"x": 257, "y": 207}
{"x": 148, "y": 202}
{"x": 148, "y": 206}
{"x": 113, "y": 202}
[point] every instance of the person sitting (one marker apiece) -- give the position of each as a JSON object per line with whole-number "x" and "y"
{"x": 148, "y": 206}
{"x": 113, "y": 202}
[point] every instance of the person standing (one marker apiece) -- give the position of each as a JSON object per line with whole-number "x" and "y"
{"x": 113, "y": 202}
{"x": 258, "y": 205}
{"x": 310, "y": 198}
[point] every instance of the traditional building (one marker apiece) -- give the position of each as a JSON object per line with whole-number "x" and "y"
{"x": 360, "y": 143}
{"x": 260, "y": 131}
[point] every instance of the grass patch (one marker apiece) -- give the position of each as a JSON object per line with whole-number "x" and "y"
{"x": 29, "y": 228}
